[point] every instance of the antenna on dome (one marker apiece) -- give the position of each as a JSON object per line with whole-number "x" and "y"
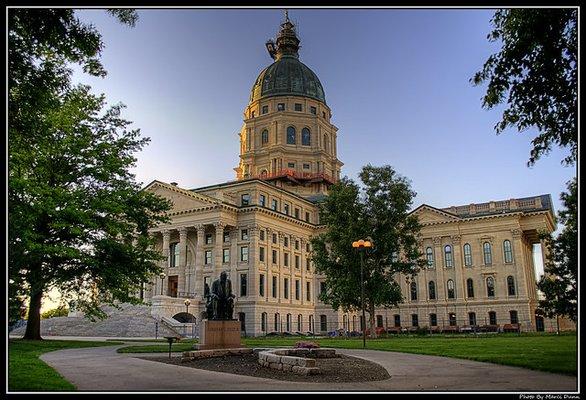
{"x": 286, "y": 15}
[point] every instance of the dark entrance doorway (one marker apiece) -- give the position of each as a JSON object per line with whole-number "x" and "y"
{"x": 539, "y": 323}
{"x": 172, "y": 286}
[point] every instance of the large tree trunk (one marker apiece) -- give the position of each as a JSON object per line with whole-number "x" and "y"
{"x": 33, "y": 326}
{"x": 371, "y": 316}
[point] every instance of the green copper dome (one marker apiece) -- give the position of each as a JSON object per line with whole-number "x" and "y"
{"x": 287, "y": 75}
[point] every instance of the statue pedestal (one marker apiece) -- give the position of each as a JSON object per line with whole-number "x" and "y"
{"x": 219, "y": 335}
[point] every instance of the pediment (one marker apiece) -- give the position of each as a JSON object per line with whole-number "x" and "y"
{"x": 428, "y": 215}
{"x": 181, "y": 199}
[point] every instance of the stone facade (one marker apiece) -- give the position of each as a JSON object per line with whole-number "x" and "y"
{"x": 258, "y": 229}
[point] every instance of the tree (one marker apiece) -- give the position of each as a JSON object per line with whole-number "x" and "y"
{"x": 558, "y": 284}
{"x": 537, "y": 69}
{"x": 78, "y": 221}
{"x": 379, "y": 211}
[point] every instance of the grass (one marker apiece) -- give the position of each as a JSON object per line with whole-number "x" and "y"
{"x": 26, "y": 372}
{"x": 543, "y": 352}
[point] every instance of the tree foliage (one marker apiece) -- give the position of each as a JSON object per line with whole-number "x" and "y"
{"x": 378, "y": 210}
{"x": 78, "y": 221}
{"x": 559, "y": 283}
{"x": 536, "y": 73}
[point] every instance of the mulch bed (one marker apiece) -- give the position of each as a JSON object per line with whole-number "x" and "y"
{"x": 340, "y": 369}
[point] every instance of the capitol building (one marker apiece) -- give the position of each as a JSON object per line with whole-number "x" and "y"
{"x": 480, "y": 270}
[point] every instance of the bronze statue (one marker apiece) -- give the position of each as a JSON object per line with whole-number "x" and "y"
{"x": 221, "y": 299}
{"x": 209, "y": 311}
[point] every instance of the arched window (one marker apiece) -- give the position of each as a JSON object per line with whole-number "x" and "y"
{"x": 277, "y": 323}
{"x": 467, "y": 255}
{"x": 508, "y": 250}
{"x": 472, "y": 318}
{"x": 326, "y": 144}
{"x": 305, "y": 137}
{"x": 448, "y": 256}
{"x": 263, "y": 322}
{"x": 299, "y": 322}
{"x": 413, "y": 291}
{"x": 345, "y": 322}
{"x": 354, "y": 322}
{"x": 451, "y": 289}
{"x": 323, "y": 323}
{"x": 431, "y": 290}
{"x": 492, "y": 317}
{"x": 288, "y": 323}
{"x": 511, "y": 285}
{"x": 291, "y": 139}
{"x": 487, "y": 253}
{"x": 174, "y": 254}
{"x": 429, "y": 256}
{"x": 265, "y": 137}
{"x": 490, "y": 286}
{"x": 311, "y": 324}
{"x": 470, "y": 287}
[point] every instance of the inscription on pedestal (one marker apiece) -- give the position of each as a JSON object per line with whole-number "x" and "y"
{"x": 219, "y": 335}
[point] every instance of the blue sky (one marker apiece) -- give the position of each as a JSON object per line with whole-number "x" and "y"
{"x": 397, "y": 81}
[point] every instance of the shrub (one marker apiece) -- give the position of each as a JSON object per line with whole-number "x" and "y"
{"x": 305, "y": 344}
{"x": 60, "y": 311}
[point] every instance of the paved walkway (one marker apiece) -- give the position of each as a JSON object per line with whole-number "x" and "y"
{"x": 102, "y": 369}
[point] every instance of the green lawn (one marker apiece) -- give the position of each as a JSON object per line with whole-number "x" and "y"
{"x": 550, "y": 353}
{"x": 26, "y": 372}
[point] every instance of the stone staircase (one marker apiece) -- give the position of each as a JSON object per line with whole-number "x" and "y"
{"x": 129, "y": 321}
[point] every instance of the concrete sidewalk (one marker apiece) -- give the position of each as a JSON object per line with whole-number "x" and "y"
{"x": 102, "y": 369}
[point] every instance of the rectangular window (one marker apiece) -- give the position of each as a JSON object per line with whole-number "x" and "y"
{"x": 261, "y": 254}
{"x": 313, "y": 110}
{"x": 308, "y": 291}
{"x": 297, "y": 245}
{"x": 298, "y": 107}
{"x": 252, "y": 115}
{"x": 225, "y": 256}
{"x": 285, "y": 241}
{"x": 397, "y": 318}
{"x": 307, "y": 247}
{"x": 297, "y": 213}
{"x": 307, "y": 217}
{"x": 322, "y": 287}
{"x": 297, "y": 261}
{"x": 274, "y": 238}
{"x": 226, "y": 237}
{"x": 208, "y": 257}
{"x": 261, "y": 285}
{"x": 291, "y": 165}
{"x": 280, "y": 106}
{"x": 286, "y": 209}
{"x": 262, "y": 200}
{"x": 244, "y": 234}
{"x": 245, "y": 199}
{"x": 275, "y": 288}
{"x": 242, "y": 284}
{"x": 307, "y": 264}
{"x": 209, "y": 239}
{"x": 414, "y": 320}
{"x": 286, "y": 260}
{"x": 306, "y": 166}
{"x": 262, "y": 235}
{"x": 433, "y": 319}
{"x": 286, "y": 288}
{"x": 274, "y": 204}
{"x": 265, "y": 109}
{"x": 274, "y": 256}
{"x": 244, "y": 253}
{"x": 297, "y": 289}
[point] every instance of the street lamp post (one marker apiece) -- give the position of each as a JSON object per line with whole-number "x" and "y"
{"x": 162, "y": 276}
{"x": 187, "y": 303}
{"x": 361, "y": 245}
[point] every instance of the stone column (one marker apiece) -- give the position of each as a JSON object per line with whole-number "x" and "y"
{"x": 233, "y": 256}
{"x": 165, "y": 262}
{"x": 519, "y": 262}
{"x": 218, "y": 245}
{"x": 439, "y": 268}
{"x": 302, "y": 288}
{"x": 269, "y": 265}
{"x": 181, "y": 279}
{"x": 199, "y": 260}
{"x": 253, "y": 263}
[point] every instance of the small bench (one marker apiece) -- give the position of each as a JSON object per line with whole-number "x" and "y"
{"x": 451, "y": 329}
{"x": 511, "y": 328}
